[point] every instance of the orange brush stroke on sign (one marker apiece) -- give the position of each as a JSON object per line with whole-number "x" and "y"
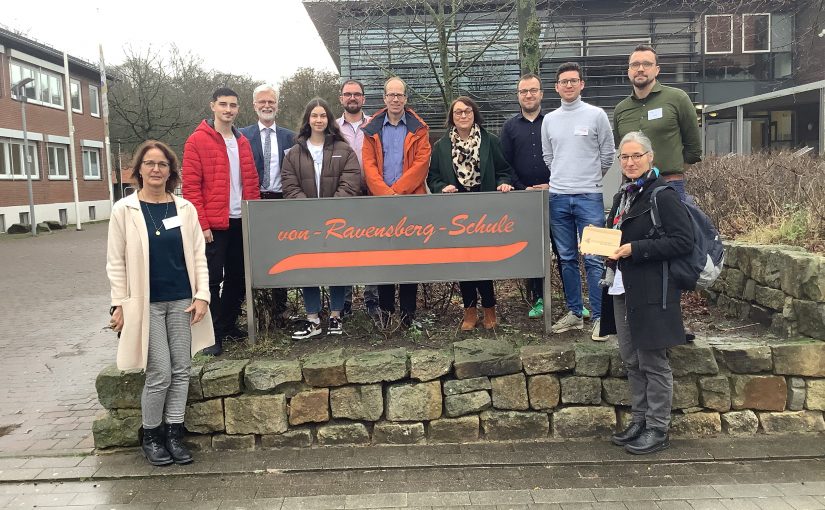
{"x": 397, "y": 257}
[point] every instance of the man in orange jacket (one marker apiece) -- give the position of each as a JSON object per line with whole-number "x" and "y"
{"x": 396, "y": 159}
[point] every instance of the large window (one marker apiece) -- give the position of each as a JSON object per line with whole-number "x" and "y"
{"x": 58, "y": 161}
{"x": 94, "y": 101}
{"x": 47, "y": 87}
{"x": 12, "y": 162}
{"x": 91, "y": 164}
{"x": 719, "y": 34}
{"x": 77, "y": 100}
{"x": 756, "y": 33}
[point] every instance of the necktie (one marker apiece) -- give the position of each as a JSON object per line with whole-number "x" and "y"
{"x": 267, "y": 157}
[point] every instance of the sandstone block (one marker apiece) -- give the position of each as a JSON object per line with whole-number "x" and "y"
{"x": 357, "y": 402}
{"x": 543, "y": 391}
{"x": 299, "y": 437}
{"x": 734, "y": 282}
{"x": 815, "y": 395}
{"x": 414, "y": 401}
{"x": 510, "y": 392}
{"x": 791, "y": 422}
{"x": 274, "y": 376}
{"x": 685, "y": 393}
{"x": 119, "y": 389}
{"x": 479, "y": 357}
{"x": 426, "y": 365}
{"x": 255, "y": 414}
{"x": 693, "y": 358}
{"x": 309, "y": 407}
{"x": 596, "y": 421}
{"x": 342, "y": 434}
{"x": 769, "y": 298}
{"x": 617, "y": 367}
{"x": 374, "y": 367}
{"x": 803, "y": 359}
{"x": 581, "y": 390}
{"x": 325, "y": 369}
{"x": 466, "y": 403}
{"x": 803, "y": 276}
{"x": 810, "y": 317}
{"x": 796, "y": 394}
{"x": 198, "y": 442}
{"x": 195, "y": 389}
{"x": 545, "y": 359}
{"x": 745, "y": 358}
{"x": 592, "y": 360}
{"x": 740, "y": 423}
{"x": 509, "y": 425}
{"x": 204, "y": 417}
{"x": 616, "y": 391}
{"x": 696, "y": 424}
{"x": 453, "y": 430}
{"x": 227, "y": 442}
{"x": 750, "y": 290}
{"x": 223, "y": 378}
{"x": 387, "y": 432}
{"x": 715, "y": 393}
{"x": 455, "y": 387}
{"x": 758, "y": 392}
{"x": 116, "y": 427}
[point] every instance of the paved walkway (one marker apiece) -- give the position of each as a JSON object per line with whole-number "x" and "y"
{"x": 54, "y": 303}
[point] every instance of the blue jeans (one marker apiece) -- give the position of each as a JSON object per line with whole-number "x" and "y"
{"x": 312, "y": 299}
{"x": 679, "y": 186}
{"x": 569, "y": 214}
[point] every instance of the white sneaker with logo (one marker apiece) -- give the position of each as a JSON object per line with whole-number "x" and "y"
{"x": 567, "y": 323}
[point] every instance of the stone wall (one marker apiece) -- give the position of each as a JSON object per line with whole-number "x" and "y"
{"x": 779, "y": 286}
{"x": 478, "y": 390}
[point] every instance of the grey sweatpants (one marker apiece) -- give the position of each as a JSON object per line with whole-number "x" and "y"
{"x": 168, "y": 364}
{"x": 649, "y": 374}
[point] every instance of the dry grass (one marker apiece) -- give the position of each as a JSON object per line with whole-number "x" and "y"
{"x": 764, "y": 198}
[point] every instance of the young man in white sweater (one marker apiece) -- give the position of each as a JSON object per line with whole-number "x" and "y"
{"x": 577, "y": 145}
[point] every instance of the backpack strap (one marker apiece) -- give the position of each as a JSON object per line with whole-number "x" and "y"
{"x": 657, "y": 226}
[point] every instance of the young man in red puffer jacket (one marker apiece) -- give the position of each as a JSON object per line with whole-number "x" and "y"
{"x": 218, "y": 173}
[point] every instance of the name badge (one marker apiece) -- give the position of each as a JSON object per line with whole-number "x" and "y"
{"x": 336, "y": 156}
{"x": 170, "y": 223}
{"x": 580, "y": 131}
{"x": 654, "y": 114}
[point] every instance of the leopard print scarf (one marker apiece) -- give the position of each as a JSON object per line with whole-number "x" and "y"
{"x": 466, "y": 163}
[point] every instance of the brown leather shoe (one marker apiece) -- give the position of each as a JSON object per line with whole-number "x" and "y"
{"x": 470, "y": 319}
{"x": 489, "y": 318}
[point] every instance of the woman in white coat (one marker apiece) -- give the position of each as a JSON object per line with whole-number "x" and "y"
{"x": 156, "y": 265}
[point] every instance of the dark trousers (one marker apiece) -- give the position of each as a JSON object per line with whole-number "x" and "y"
{"x": 471, "y": 290}
{"x": 407, "y": 295}
{"x": 224, "y": 258}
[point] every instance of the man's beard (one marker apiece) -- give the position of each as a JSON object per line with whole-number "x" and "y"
{"x": 268, "y": 117}
{"x": 533, "y": 109}
{"x": 352, "y": 108}
{"x": 647, "y": 81}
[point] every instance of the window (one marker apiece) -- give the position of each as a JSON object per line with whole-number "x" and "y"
{"x": 58, "y": 161}
{"x": 24, "y": 218}
{"x": 92, "y": 215}
{"x": 756, "y": 33}
{"x": 46, "y": 89}
{"x": 605, "y": 47}
{"x": 94, "y": 101}
{"x": 91, "y": 164}
{"x": 77, "y": 101}
{"x": 63, "y": 214}
{"x": 719, "y": 33}
{"x": 2, "y": 222}
{"x": 11, "y": 159}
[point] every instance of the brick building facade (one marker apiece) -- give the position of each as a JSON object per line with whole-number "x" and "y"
{"x": 48, "y": 134}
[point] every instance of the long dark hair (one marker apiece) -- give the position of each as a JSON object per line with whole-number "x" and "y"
{"x": 305, "y": 131}
{"x": 137, "y": 161}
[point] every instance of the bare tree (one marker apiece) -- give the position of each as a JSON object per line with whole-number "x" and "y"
{"x": 298, "y": 89}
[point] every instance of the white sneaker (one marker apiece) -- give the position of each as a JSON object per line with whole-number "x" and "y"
{"x": 596, "y": 336}
{"x": 567, "y": 323}
{"x": 307, "y": 329}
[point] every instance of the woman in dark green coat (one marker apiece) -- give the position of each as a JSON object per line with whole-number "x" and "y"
{"x": 468, "y": 158}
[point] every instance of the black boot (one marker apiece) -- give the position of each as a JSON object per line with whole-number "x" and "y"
{"x": 214, "y": 350}
{"x": 650, "y": 441}
{"x": 174, "y": 443}
{"x": 628, "y": 434}
{"x": 153, "y": 448}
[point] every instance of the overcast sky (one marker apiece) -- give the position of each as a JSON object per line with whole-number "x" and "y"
{"x": 266, "y": 40}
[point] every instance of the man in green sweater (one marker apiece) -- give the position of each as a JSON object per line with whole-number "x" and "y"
{"x": 665, "y": 114}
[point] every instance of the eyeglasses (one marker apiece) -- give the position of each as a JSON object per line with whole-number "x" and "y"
{"x": 532, "y": 92}
{"x": 644, "y": 65}
{"x": 624, "y": 158}
{"x": 356, "y": 95}
{"x": 463, "y": 113}
{"x": 394, "y": 95}
{"x": 264, "y": 102}
{"x": 571, "y": 81}
{"x": 148, "y": 163}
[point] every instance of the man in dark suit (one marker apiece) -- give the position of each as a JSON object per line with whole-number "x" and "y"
{"x": 269, "y": 142}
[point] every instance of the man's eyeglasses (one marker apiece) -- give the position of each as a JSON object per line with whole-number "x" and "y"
{"x": 263, "y": 102}
{"x": 356, "y": 95}
{"x": 571, "y": 81}
{"x": 463, "y": 113}
{"x": 395, "y": 95}
{"x": 643, "y": 65}
{"x": 624, "y": 158}
{"x": 148, "y": 163}
{"x": 532, "y": 92}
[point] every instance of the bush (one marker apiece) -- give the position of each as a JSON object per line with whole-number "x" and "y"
{"x": 767, "y": 198}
